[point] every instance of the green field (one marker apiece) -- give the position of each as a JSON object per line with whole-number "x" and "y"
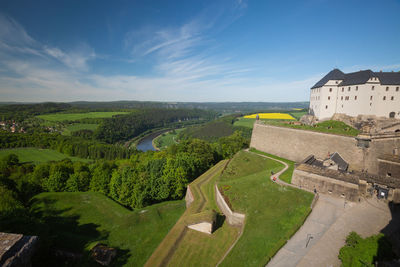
{"x": 77, "y": 221}
{"x": 79, "y": 126}
{"x": 186, "y": 247}
{"x": 273, "y": 212}
{"x": 38, "y": 155}
{"x": 298, "y": 114}
{"x": 78, "y": 116}
{"x": 167, "y": 139}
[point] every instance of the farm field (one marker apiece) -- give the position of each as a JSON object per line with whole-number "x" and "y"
{"x": 186, "y": 247}
{"x": 77, "y": 221}
{"x": 298, "y": 114}
{"x": 273, "y": 212}
{"x": 167, "y": 139}
{"x": 270, "y": 116}
{"x": 78, "y": 116}
{"x": 79, "y": 126}
{"x": 37, "y": 155}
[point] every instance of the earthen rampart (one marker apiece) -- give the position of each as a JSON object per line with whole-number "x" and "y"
{"x": 233, "y": 218}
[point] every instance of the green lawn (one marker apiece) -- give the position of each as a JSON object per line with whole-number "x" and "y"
{"x": 298, "y": 114}
{"x": 79, "y": 126}
{"x": 77, "y": 221}
{"x": 78, "y": 116}
{"x": 244, "y": 122}
{"x": 186, "y": 247}
{"x": 167, "y": 139}
{"x": 333, "y": 127}
{"x": 38, "y": 155}
{"x": 273, "y": 212}
{"x": 287, "y": 175}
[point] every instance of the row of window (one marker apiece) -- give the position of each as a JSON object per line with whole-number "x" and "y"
{"x": 372, "y": 88}
{"x": 355, "y": 98}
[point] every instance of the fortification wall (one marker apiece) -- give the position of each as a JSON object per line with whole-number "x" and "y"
{"x": 324, "y": 184}
{"x": 233, "y": 218}
{"x": 188, "y": 197}
{"x": 296, "y": 145}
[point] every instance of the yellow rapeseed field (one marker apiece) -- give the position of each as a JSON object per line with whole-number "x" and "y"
{"x": 271, "y": 116}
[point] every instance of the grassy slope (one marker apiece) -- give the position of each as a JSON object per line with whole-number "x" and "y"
{"x": 78, "y": 116}
{"x": 273, "y": 213}
{"x": 79, "y": 126}
{"x": 37, "y": 155}
{"x": 86, "y": 218}
{"x": 332, "y": 127}
{"x": 167, "y": 139}
{"x": 187, "y": 247}
{"x": 287, "y": 175}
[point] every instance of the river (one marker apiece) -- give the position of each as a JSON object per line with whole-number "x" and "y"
{"x": 146, "y": 143}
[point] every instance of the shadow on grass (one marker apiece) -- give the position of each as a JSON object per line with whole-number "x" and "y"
{"x": 219, "y": 221}
{"x": 63, "y": 241}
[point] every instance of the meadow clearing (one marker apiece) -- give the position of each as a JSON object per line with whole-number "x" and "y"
{"x": 167, "y": 139}
{"x": 78, "y": 221}
{"x": 68, "y": 130}
{"x": 57, "y": 117}
{"x": 270, "y": 116}
{"x": 273, "y": 212}
{"x": 38, "y": 155}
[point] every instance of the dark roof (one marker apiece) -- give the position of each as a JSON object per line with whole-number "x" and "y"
{"x": 359, "y": 77}
{"x": 334, "y": 74}
{"x": 342, "y": 164}
{"x": 388, "y": 78}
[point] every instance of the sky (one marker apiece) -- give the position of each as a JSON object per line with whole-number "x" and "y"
{"x": 181, "y": 50}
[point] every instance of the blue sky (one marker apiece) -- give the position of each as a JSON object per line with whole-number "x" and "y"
{"x": 229, "y": 50}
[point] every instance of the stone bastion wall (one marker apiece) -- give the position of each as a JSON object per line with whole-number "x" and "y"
{"x": 297, "y": 144}
{"x": 232, "y": 217}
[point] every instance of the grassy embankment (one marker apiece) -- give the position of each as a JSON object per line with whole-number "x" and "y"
{"x": 37, "y": 155}
{"x": 186, "y": 247}
{"x": 77, "y": 221}
{"x": 273, "y": 212}
{"x": 167, "y": 139}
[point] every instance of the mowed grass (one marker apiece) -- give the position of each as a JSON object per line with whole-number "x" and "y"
{"x": 273, "y": 212}
{"x": 287, "y": 175}
{"x": 38, "y": 155}
{"x": 187, "y": 247}
{"x": 298, "y": 114}
{"x": 78, "y": 116}
{"x": 77, "y": 221}
{"x": 167, "y": 139}
{"x": 79, "y": 126}
{"x": 331, "y": 126}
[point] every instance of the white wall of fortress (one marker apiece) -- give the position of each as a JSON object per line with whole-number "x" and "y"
{"x": 296, "y": 145}
{"x": 370, "y": 98}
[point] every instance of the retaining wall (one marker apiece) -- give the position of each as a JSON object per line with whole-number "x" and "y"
{"x": 189, "y": 197}
{"x": 233, "y": 218}
{"x": 297, "y": 144}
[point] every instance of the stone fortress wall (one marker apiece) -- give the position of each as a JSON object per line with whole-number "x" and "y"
{"x": 296, "y": 145}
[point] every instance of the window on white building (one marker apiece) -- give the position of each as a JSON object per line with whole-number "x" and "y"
{"x": 384, "y": 98}
{"x": 342, "y": 89}
{"x": 370, "y": 98}
{"x": 392, "y": 98}
{"x": 326, "y": 107}
{"x": 329, "y": 98}
{"x": 355, "y": 97}
{"x": 356, "y": 88}
{"x": 349, "y": 89}
{"x": 342, "y": 98}
{"x": 373, "y": 87}
{"x": 397, "y": 89}
{"x": 387, "y": 88}
{"x": 330, "y": 89}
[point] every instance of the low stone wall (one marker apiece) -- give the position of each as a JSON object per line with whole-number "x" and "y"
{"x": 325, "y": 185}
{"x": 16, "y": 249}
{"x": 233, "y": 218}
{"x": 189, "y": 197}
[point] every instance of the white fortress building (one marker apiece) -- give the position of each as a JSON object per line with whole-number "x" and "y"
{"x": 357, "y": 93}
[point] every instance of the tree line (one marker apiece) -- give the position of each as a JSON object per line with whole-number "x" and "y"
{"x": 124, "y": 127}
